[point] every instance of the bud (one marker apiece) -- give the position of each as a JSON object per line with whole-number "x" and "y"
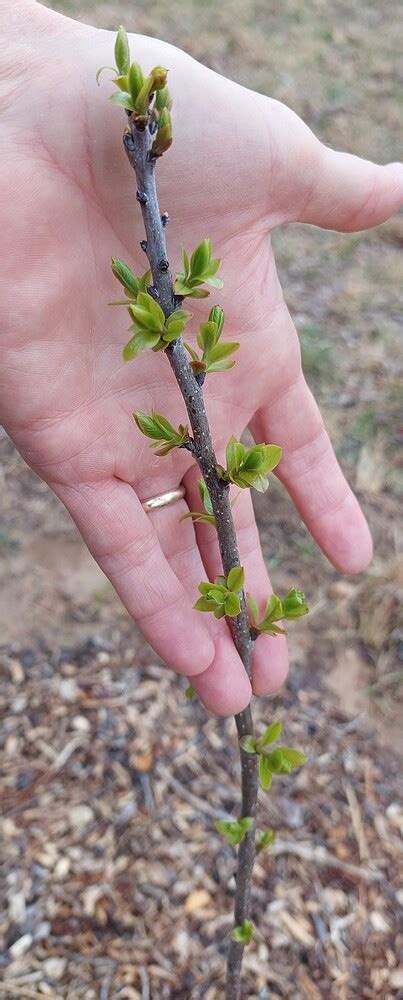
{"x": 159, "y": 77}
{"x": 217, "y": 316}
{"x": 163, "y": 139}
{"x": 122, "y": 52}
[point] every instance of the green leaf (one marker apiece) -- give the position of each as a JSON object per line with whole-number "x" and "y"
{"x": 122, "y": 82}
{"x": 275, "y": 760}
{"x": 204, "y": 496}
{"x": 186, "y": 263}
{"x": 192, "y": 353}
{"x": 163, "y": 99}
{"x": 122, "y": 100}
{"x": 234, "y": 832}
{"x": 294, "y": 757}
{"x": 274, "y": 610}
{"x": 190, "y": 693}
{"x": 236, "y": 579}
{"x": 235, "y": 451}
{"x": 214, "y": 282}
{"x": 271, "y": 629}
{"x": 294, "y": 604}
{"x": 207, "y": 336}
{"x": 200, "y": 258}
{"x": 245, "y": 822}
{"x": 219, "y": 612}
{"x": 125, "y": 275}
{"x": 253, "y": 608}
{"x": 271, "y": 734}
{"x": 101, "y": 69}
{"x": 199, "y": 518}
{"x": 145, "y": 280}
{"x": 157, "y": 316}
{"x": 232, "y": 605}
{"x": 248, "y": 743}
{"x": 135, "y": 81}
{"x": 142, "y": 340}
{"x": 204, "y": 605}
{"x": 265, "y": 839}
{"x": 220, "y": 351}
{"x": 243, "y": 934}
{"x": 122, "y": 51}
{"x": 265, "y": 772}
{"x": 216, "y": 316}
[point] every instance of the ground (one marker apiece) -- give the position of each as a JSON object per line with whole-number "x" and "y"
{"x": 116, "y": 883}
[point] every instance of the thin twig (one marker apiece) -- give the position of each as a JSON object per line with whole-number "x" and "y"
{"x": 138, "y": 144}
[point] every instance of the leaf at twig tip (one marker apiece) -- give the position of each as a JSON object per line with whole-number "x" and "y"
{"x": 122, "y": 51}
{"x": 243, "y": 934}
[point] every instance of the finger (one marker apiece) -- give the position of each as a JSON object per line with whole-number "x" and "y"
{"x": 311, "y": 473}
{"x": 326, "y": 188}
{"x": 224, "y": 687}
{"x": 120, "y": 536}
{"x": 270, "y": 658}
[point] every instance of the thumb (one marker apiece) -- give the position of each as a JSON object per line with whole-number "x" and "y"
{"x": 350, "y": 194}
{"x": 317, "y": 185}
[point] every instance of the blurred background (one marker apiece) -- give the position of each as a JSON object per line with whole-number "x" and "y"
{"x": 116, "y": 883}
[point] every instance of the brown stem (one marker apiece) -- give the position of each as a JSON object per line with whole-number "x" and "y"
{"x": 138, "y": 144}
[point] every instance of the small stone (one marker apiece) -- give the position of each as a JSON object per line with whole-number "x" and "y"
{"x": 54, "y": 968}
{"x": 81, "y": 815}
{"x": 68, "y": 689}
{"x": 197, "y": 900}
{"x": 62, "y": 868}
{"x": 21, "y": 946}
{"x": 81, "y": 723}
{"x": 378, "y": 922}
{"x": 396, "y": 979}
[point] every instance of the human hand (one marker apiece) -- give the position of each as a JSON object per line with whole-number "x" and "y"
{"x": 240, "y": 165}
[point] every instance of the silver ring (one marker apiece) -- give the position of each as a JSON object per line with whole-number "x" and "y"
{"x": 164, "y": 499}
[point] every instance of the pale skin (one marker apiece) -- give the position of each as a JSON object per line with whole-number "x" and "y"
{"x": 241, "y": 164}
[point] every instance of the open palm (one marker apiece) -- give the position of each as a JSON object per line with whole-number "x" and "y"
{"x": 240, "y": 165}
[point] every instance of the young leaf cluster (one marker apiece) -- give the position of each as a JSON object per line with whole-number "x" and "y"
{"x": 291, "y": 607}
{"x": 165, "y": 436}
{"x": 249, "y": 466}
{"x": 244, "y": 933}
{"x": 136, "y": 93}
{"x": 281, "y": 760}
{"x": 234, "y": 831}
{"x": 221, "y": 597}
{"x": 199, "y": 270}
{"x": 151, "y": 329}
{"x": 214, "y": 356}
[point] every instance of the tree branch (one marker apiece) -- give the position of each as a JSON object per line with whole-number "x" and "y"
{"x": 138, "y": 142}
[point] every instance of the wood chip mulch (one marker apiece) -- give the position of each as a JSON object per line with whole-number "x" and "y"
{"x": 117, "y": 884}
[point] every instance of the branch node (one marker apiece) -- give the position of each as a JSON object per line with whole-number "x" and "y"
{"x": 165, "y": 219}
{"x": 163, "y": 264}
{"x": 143, "y": 244}
{"x": 142, "y": 197}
